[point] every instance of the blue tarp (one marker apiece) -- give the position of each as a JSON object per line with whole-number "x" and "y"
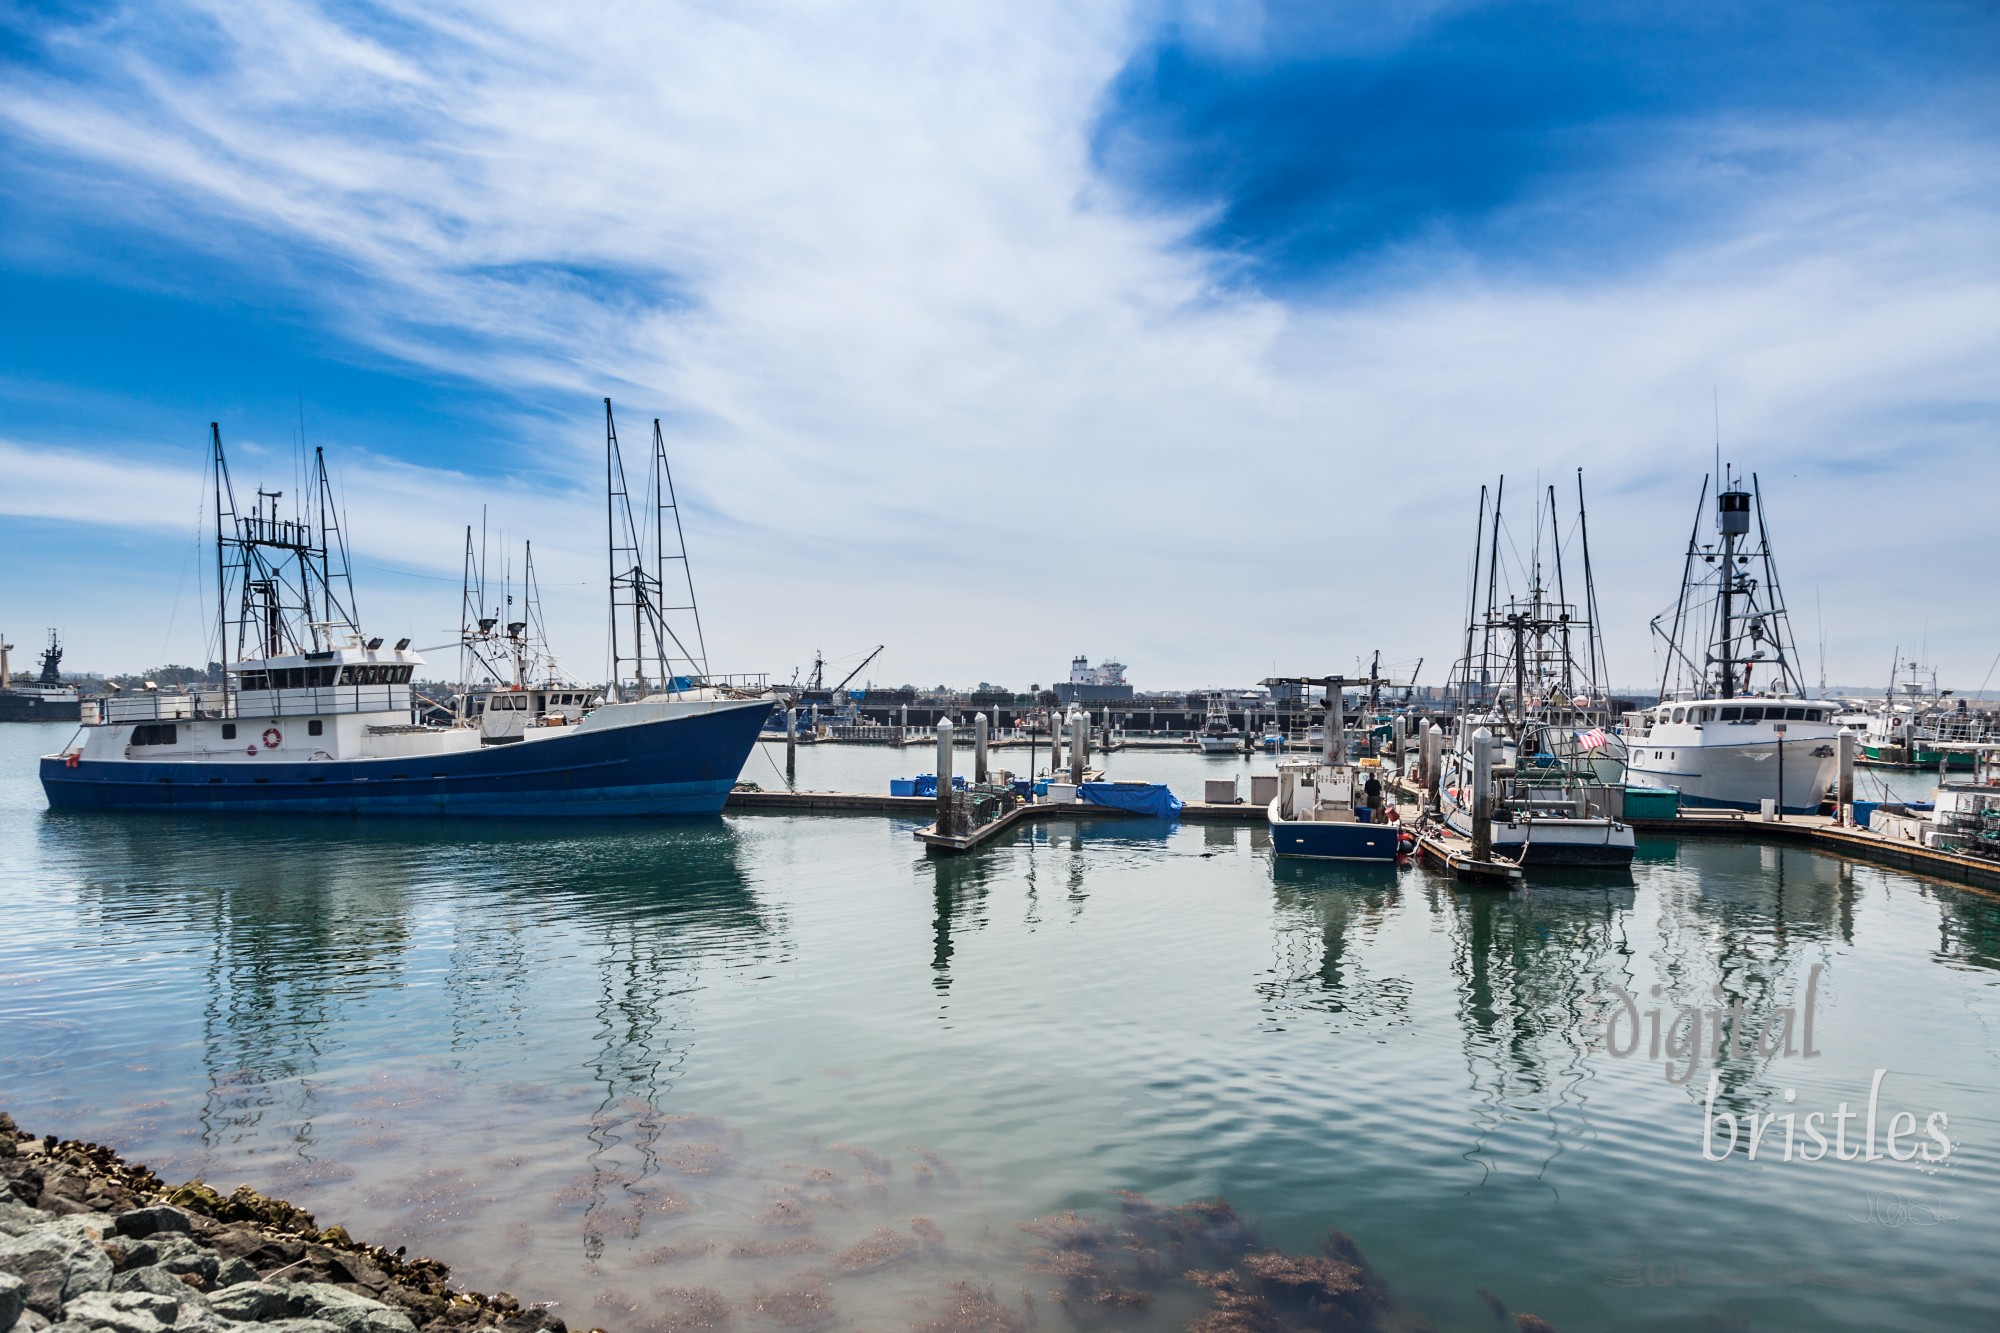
{"x": 1143, "y": 798}
{"x": 926, "y": 784}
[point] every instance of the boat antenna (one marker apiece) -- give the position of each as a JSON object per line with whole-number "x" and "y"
{"x": 1715, "y": 398}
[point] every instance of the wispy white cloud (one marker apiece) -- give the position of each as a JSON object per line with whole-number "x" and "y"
{"x": 930, "y": 381}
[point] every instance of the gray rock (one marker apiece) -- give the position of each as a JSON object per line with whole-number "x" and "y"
{"x": 16, "y": 1218}
{"x": 88, "y": 1227}
{"x": 140, "y": 1223}
{"x": 232, "y": 1271}
{"x": 31, "y": 1323}
{"x": 160, "y": 1282}
{"x": 247, "y": 1302}
{"x": 353, "y": 1313}
{"x": 123, "y": 1311}
{"x": 54, "y": 1266}
{"x": 13, "y": 1300}
{"x": 298, "y": 1326}
{"x": 180, "y": 1254}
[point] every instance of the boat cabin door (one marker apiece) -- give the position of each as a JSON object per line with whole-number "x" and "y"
{"x": 504, "y": 719}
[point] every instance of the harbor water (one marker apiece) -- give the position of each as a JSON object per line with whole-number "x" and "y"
{"x": 769, "y": 1071}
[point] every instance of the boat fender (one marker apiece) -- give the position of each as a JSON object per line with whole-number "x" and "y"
{"x": 250, "y": 750}
{"x": 70, "y": 760}
{"x": 273, "y": 738}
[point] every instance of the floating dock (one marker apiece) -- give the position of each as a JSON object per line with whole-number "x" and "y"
{"x": 1444, "y": 850}
{"x": 1438, "y": 848}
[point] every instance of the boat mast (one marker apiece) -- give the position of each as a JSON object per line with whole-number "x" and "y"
{"x": 1674, "y": 649}
{"x": 666, "y": 503}
{"x": 1599, "y": 668}
{"x": 1562, "y": 600}
{"x": 1776, "y": 618}
{"x": 1492, "y": 586}
{"x": 1472, "y": 606}
{"x": 631, "y": 585}
{"x": 221, "y": 470}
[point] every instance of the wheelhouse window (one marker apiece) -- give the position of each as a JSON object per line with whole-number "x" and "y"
{"x": 155, "y": 733}
{"x": 1732, "y": 714}
{"x": 1796, "y": 714}
{"x": 253, "y": 680}
{"x": 315, "y": 727}
{"x": 229, "y": 731}
{"x": 1680, "y": 714}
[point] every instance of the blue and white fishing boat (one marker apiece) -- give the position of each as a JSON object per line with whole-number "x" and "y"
{"x": 316, "y": 717}
{"x": 1320, "y": 811}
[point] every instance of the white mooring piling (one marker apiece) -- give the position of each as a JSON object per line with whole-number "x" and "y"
{"x": 791, "y": 741}
{"x": 979, "y": 747}
{"x": 1331, "y": 747}
{"x": 1055, "y": 744}
{"x": 1398, "y": 738}
{"x": 944, "y": 775}
{"x": 1079, "y": 744}
{"x": 1482, "y": 795}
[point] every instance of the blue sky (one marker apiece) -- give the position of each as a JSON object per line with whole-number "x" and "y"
{"x": 998, "y": 333}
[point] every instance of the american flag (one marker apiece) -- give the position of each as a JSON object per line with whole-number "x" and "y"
{"x": 1590, "y": 740}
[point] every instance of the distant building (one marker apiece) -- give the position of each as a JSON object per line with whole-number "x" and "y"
{"x": 1094, "y": 685}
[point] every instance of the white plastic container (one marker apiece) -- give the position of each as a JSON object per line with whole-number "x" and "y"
{"x": 1062, "y": 793}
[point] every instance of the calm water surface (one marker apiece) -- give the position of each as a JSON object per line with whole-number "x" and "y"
{"x": 762, "y": 1071}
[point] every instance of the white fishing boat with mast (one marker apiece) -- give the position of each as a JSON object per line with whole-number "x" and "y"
{"x": 1734, "y": 727}
{"x": 1532, "y": 674}
{"x": 509, "y": 679}
{"x": 1217, "y": 735}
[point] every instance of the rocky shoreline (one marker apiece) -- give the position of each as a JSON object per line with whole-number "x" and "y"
{"x": 91, "y": 1242}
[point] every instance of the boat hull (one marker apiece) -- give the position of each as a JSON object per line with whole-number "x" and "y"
{"x": 674, "y": 766}
{"x": 27, "y": 706}
{"x": 1738, "y": 776}
{"x": 1918, "y": 756}
{"x": 1555, "y": 842}
{"x": 1333, "y": 841}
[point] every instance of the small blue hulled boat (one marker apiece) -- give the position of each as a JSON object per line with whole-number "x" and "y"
{"x": 1318, "y": 813}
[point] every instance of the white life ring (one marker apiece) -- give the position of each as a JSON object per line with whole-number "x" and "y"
{"x": 273, "y": 738}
